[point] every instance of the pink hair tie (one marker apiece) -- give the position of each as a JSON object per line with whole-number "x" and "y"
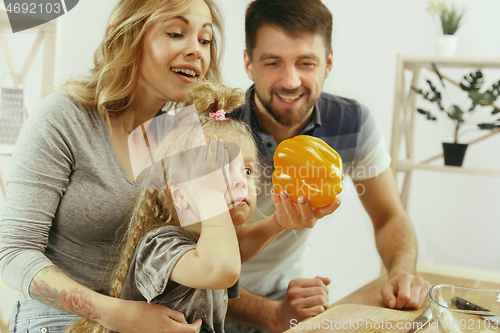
{"x": 219, "y": 115}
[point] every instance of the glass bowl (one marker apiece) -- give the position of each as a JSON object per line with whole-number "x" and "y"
{"x": 465, "y": 310}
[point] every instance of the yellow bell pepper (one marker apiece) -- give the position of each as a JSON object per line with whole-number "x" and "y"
{"x": 307, "y": 166}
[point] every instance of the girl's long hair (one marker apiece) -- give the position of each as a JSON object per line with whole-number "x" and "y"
{"x": 110, "y": 86}
{"x": 154, "y": 207}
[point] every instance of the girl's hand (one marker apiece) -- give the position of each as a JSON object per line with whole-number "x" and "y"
{"x": 206, "y": 176}
{"x": 138, "y": 317}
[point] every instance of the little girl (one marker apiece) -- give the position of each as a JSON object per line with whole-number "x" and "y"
{"x": 193, "y": 269}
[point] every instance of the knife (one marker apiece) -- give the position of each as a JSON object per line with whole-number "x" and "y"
{"x": 463, "y": 304}
{"x": 423, "y": 319}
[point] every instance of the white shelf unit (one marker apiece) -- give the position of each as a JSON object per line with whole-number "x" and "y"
{"x": 403, "y": 123}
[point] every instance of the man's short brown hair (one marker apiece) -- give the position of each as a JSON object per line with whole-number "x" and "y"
{"x": 294, "y": 17}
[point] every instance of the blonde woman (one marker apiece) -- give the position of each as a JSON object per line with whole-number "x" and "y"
{"x": 72, "y": 189}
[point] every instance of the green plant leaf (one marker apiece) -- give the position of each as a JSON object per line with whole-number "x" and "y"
{"x": 427, "y": 113}
{"x": 451, "y": 18}
{"x": 495, "y": 89}
{"x": 495, "y": 111}
{"x": 456, "y": 114}
{"x": 434, "y": 98}
{"x": 483, "y": 99}
{"x": 418, "y": 91}
{"x": 437, "y": 96}
{"x": 485, "y": 126}
{"x": 487, "y": 98}
{"x": 475, "y": 98}
{"x": 438, "y": 74}
{"x": 473, "y": 81}
{"x": 493, "y": 93}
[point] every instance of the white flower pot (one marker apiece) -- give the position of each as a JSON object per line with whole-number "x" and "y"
{"x": 447, "y": 45}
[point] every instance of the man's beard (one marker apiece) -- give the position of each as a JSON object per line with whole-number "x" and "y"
{"x": 288, "y": 118}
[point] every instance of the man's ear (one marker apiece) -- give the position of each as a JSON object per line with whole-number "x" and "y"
{"x": 329, "y": 62}
{"x": 248, "y": 65}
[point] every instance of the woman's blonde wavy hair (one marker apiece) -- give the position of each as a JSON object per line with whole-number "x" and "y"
{"x": 111, "y": 84}
{"x": 154, "y": 207}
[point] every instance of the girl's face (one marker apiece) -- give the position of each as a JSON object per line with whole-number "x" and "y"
{"x": 176, "y": 53}
{"x": 241, "y": 180}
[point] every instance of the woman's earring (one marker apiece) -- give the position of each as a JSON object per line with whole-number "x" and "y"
{"x": 181, "y": 209}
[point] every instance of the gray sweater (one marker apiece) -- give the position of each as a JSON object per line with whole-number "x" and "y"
{"x": 68, "y": 197}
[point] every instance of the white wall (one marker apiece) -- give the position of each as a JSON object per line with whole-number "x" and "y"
{"x": 455, "y": 216}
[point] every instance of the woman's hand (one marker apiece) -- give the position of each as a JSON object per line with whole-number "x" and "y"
{"x": 139, "y": 317}
{"x": 298, "y": 216}
{"x": 54, "y": 288}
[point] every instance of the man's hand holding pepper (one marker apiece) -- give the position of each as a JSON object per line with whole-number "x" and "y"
{"x": 300, "y": 215}
{"x": 308, "y": 175}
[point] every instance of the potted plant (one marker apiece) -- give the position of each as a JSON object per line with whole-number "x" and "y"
{"x": 461, "y": 116}
{"x": 450, "y": 19}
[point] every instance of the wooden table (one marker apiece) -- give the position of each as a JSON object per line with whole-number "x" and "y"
{"x": 370, "y": 294}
